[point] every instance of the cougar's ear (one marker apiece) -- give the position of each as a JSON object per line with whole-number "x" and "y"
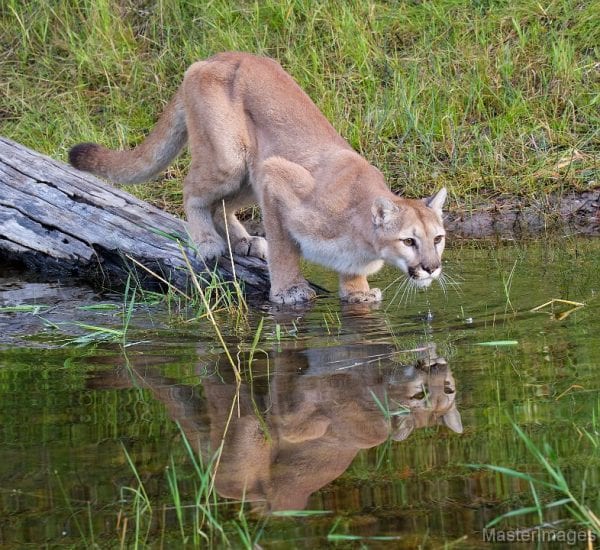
{"x": 452, "y": 420}
{"x": 437, "y": 201}
{"x": 383, "y": 210}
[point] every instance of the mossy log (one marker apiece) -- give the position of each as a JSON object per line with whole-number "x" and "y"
{"x": 64, "y": 224}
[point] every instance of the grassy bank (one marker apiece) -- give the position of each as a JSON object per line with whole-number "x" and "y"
{"x": 483, "y": 96}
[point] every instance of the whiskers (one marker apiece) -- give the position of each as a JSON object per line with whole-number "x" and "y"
{"x": 406, "y": 290}
{"x": 407, "y": 287}
{"x": 448, "y": 282}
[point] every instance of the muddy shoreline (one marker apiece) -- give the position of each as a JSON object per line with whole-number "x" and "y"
{"x": 512, "y": 217}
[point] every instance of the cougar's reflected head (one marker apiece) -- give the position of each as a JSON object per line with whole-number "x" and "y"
{"x": 411, "y": 235}
{"x": 430, "y": 396}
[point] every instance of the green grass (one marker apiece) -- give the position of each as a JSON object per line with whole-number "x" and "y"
{"x": 209, "y": 299}
{"x": 483, "y": 96}
{"x": 553, "y": 480}
{"x": 202, "y": 522}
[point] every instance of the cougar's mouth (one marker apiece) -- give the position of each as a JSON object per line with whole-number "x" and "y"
{"x": 421, "y": 277}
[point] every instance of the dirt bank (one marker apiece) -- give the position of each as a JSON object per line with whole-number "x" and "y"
{"x": 510, "y": 217}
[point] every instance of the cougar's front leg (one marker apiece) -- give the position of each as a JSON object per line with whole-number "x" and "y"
{"x": 355, "y": 289}
{"x": 279, "y": 178}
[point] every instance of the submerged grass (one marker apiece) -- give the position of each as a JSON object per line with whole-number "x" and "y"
{"x": 486, "y": 96}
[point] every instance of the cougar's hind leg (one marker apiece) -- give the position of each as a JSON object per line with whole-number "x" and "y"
{"x": 218, "y": 143}
{"x": 200, "y": 192}
{"x": 209, "y": 182}
{"x": 242, "y": 242}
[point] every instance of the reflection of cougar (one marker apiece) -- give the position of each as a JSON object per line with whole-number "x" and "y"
{"x": 301, "y": 428}
{"x": 254, "y": 134}
{"x": 429, "y": 396}
{"x": 319, "y": 419}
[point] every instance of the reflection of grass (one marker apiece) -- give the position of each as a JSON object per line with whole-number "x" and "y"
{"x": 507, "y": 284}
{"x": 332, "y": 322}
{"x": 554, "y": 481}
{"x": 83, "y": 533}
{"x": 201, "y": 520}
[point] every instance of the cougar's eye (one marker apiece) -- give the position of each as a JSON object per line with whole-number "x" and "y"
{"x": 438, "y": 239}
{"x": 409, "y": 242}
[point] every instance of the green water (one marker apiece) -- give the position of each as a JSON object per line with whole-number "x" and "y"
{"x": 357, "y": 412}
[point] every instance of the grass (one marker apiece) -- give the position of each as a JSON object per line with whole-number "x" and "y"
{"x": 209, "y": 291}
{"x": 94, "y": 334}
{"x": 202, "y": 519}
{"x": 33, "y": 309}
{"x": 201, "y": 522}
{"x": 210, "y": 298}
{"x": 334, "y": 536}
{"x": 482, "y": 96}
{"x": 555, "y": 482}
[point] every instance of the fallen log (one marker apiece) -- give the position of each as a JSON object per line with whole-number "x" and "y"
{"x": 61, "y": 223}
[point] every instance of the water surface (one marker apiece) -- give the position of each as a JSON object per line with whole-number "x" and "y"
{"x": 371, "y": 415}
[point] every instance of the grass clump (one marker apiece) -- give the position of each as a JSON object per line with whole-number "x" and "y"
{"x": 202, "y": 522}
{"x": 576, "y": 501}
{"x": 483, "y": 96}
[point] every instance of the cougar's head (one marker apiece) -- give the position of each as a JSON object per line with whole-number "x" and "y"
{"x": 410, "y": 235}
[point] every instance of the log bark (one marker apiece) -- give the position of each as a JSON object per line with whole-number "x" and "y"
{"x": 62, "y": 223}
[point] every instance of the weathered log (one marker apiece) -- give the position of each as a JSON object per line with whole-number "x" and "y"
{"x": 62, "y": 223}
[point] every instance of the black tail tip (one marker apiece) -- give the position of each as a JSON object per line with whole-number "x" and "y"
{"x": 80, "y": 155}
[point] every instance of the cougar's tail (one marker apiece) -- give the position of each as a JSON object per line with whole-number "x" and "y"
{"x": 143, "y": 162}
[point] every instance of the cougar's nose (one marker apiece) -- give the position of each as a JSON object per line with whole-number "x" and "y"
{"x": 430, "y": 268}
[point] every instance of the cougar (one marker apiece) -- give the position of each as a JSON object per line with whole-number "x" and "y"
{"x": 255, "y": 136}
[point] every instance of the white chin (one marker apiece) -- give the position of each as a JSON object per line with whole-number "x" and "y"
{"x": 423, "y": 283}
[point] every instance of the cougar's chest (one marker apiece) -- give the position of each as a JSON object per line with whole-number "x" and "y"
{"x": 341, "y": 254}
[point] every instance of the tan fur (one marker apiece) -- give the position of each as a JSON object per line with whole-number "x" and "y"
{"x": 255, "y": 136}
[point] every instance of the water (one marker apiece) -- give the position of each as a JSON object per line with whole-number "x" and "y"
{"x": 369, "y": 414}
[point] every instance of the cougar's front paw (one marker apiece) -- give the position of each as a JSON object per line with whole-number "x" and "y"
{"x": 254, "y": 246}
{"x": 371, "y": 295}
{"x": 211, "y": 248}
{"x": 296, "y": 294}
